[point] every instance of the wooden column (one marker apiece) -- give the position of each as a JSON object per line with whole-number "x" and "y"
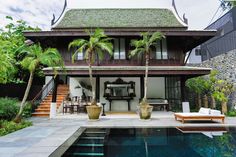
{"x": 183, "y": 96}
{"x": 141, "y": 86}
{"x": 54, "y": 94}
{"x": 97, "y": 88}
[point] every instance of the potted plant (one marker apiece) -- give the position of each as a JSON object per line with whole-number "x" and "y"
{"x": 143, "y": 46}
{"x": 97, "y": 44}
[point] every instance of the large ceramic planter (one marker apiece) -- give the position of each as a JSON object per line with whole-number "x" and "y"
{"x": 93, "y": 112}
{"x": 145, "y": 112}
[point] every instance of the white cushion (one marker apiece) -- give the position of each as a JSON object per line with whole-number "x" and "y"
{"x": 185, "y": 107}
{"x": 215, "y": 112}
{"x": 204, "y": 110}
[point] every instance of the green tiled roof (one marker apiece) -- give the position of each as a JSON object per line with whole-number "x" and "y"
{"x": 110, "y": 18}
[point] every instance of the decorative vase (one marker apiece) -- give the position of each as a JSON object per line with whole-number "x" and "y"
{"x": 145, "y": 112}
{"x": 93, "y": 112}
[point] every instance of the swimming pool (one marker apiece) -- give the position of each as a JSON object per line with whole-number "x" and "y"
{"x": 155, "y": 142}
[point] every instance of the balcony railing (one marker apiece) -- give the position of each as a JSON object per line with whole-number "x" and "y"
{"x": 130, "y": 62}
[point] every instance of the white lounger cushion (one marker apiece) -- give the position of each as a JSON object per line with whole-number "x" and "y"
{"x": 204, "y": 110}
{"x": 193, "y": 114}
{"x": 215, "y": 112}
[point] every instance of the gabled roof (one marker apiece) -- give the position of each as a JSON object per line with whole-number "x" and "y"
{"x": 118, "y": 18}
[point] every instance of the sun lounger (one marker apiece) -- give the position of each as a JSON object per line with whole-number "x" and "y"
{"x": 203, "y": 114}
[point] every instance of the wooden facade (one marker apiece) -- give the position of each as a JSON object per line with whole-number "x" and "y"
{"x": 179, "y": 41}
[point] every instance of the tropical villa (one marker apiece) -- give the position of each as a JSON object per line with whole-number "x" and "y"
{"x": 117, "y": 84}
{"x": 167, "y": 69}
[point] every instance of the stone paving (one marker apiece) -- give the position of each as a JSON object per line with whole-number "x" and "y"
{"x": 46, "y": 135}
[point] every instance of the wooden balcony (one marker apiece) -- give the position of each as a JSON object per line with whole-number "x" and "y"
{"x": 129, "y": 62}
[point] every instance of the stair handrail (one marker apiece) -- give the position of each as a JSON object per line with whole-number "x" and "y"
{"x": 42, "y": 93}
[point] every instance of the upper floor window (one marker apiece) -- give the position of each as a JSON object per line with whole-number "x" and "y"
{"x": 80, "y": 56}
{"x": 119, "y": 48}
{"x": 161, "y": 49}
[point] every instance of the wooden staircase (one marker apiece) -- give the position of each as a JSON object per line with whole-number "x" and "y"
{"x": 43, "y": 110}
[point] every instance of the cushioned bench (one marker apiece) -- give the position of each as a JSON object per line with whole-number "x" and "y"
{"x": 155, "y": 102}
{"x": 203, "y": 114}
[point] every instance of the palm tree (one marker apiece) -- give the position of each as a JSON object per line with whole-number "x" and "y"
{"x": 143, "y": 46}
{"x": 37, "y": 58}
{"x": 97, "y": 44}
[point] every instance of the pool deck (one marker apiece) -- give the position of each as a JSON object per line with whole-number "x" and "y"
{"x": 46, "y": 135}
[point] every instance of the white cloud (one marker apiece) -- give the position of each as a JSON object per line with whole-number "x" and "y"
{"x": 39, "y": 13}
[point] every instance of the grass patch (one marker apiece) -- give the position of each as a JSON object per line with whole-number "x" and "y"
{"x": 7, "y": 127}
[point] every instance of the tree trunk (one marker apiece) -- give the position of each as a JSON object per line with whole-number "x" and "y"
{"x": 22, "y": 105}
{"x": 213, "y": 102}
{"x": 146, "y": 75}
{"x": 224, "y": 107}
{"x": 91, "y": 80}
{"x": 205, "y": 101}
{"x": 199, "y": 101}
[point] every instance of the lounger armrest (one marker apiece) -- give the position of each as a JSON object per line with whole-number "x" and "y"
{"x": 215, "y": 112}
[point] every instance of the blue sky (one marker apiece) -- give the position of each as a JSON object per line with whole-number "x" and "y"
{"x": 39, "y": 13}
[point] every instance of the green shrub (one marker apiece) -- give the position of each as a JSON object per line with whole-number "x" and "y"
{"x": 232, "y": 113}
{"x": 27, "y": 112}
{"x": 8, "y": 108}
{"x": 7, "y": 127}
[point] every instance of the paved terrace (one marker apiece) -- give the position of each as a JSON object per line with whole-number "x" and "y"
{"x": 46, "y": 135}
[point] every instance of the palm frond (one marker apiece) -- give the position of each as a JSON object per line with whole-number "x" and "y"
{"x": 77, "y": 43}
{"x": 100, "y": 53}
{"x": 155, "y": 37}
{"x": 106, "y": 46}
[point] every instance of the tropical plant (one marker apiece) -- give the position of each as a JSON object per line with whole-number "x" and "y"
{"x": 7, "y": 127}
{"x": 97, "y": 44}
{"x": 195, "y": 85}
{"x": 204, "y": 86}
{"x": 222, "y": 90}
{"x": 36, "y": 58}
{"x": 12, "y": 41}
{"x": 7, "y": 69}
{"x": 143, "y": 46}
{"x": 8, "y": 108}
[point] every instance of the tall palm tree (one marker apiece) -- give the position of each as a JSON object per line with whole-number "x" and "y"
{"x": 97, "y": 44}
{"x": 143, "y": 46}
{"x": 36, "y": 58}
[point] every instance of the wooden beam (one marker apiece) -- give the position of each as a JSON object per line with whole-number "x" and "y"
{"x": 54, "y": 94}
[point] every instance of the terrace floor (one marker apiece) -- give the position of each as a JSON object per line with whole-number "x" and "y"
{"x": 46, "y": 135}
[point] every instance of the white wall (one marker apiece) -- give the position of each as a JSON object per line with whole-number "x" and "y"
{"x": 156, "y": 87}
{"x": 120, "y": 105}
{"x": 74, "y": 81}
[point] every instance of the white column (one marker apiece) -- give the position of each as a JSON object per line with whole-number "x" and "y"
{"x": 53, "y": 110}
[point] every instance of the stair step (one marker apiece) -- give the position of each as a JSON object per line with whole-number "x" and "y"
{"x": 95, "y": 132}
{"x": 94, "y": 138}
{"x": 86, "y": 154}
{"x": 40, "y": 114}
{"x": 42, "y": 110}
{"x": 89, "y": 145}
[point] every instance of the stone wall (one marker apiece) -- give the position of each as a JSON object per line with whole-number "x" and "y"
{"x": 225, "y": 64}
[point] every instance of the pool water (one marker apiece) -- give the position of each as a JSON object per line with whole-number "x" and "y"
{"x": 155, "y": 142}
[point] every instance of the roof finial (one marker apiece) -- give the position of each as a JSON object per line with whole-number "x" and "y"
{"x": 53, "y": 19}
{"x": 185, "y": 20}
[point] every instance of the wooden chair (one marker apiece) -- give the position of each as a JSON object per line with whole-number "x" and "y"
{"x": 67, "y": 105}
